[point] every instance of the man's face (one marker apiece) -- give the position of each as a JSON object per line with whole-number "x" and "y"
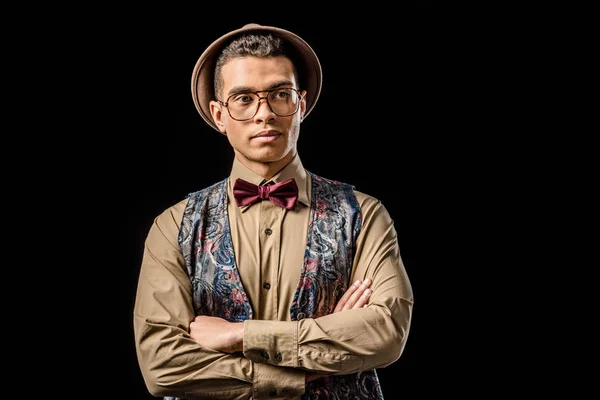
{"x": 266, "y": 137}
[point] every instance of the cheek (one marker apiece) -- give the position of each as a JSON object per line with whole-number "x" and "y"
{"x": 295, "y": 130}
{"x": 233, "y": 136}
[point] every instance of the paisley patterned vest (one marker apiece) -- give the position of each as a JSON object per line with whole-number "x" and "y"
{"x": 334, "y": 224}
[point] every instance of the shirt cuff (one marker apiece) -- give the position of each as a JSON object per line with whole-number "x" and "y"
{"x": 271, "y": 342}
{"x": 272, "y": 382}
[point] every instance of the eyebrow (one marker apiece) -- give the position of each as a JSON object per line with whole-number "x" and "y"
{"x": 246, "y": 89}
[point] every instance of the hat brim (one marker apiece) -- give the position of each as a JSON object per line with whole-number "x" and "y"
{"x": 309, "y": 69}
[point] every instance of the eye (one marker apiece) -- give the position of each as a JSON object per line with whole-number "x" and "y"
{"x": 283, "y": 93}
{"x": 243, "y": 98}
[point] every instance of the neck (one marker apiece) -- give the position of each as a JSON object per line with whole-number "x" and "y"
{"x": 269, "y": 169}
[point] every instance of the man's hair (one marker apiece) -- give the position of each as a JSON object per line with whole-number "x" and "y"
{"x": 256, "y": 45}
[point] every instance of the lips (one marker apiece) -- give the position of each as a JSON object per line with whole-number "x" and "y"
{"x": 267, "y": 134}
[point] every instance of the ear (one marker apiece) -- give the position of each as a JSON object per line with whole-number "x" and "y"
{"x": 216, "y": 110}
{"x": 303, "y": 105}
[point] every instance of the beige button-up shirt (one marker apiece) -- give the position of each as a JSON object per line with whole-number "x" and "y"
{"x": 269, "y": 243}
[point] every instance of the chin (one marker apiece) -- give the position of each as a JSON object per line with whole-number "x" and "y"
{"x": 267, "y": 160}
{"x": 267, "y": 156}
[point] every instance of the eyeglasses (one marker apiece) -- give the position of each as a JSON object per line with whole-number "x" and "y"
{"x": 244, "y": 106}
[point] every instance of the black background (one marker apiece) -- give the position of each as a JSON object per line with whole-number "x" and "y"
{"x": 391, "y": 120}
{"x": 430, "y": 109}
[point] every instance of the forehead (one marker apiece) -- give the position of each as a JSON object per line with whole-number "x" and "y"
{"x": 257, "y": 72}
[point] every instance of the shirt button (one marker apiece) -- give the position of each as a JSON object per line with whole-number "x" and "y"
{"x": 301, "y": 316}
{"x": 267, "y": 285}
{"x": 273, "y": 393}
{"x": 278, "y": 357}
{"x": 268, "y": 231}
{"x": 264, "y": 354}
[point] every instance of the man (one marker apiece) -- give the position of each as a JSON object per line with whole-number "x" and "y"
{"x": 274, "y": 282}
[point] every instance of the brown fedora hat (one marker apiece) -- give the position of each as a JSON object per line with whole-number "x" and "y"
{"x": 203, "y": 76}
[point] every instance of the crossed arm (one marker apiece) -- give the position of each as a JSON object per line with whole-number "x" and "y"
{"x": 221, "y": 335}
{"x": 188, "y": 356}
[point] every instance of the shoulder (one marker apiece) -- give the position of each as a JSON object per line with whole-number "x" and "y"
{"x": 329, "y": 184}
{"x": 366, "y": 201}
{"x": 171, "y": 217}
{"x": 165, "y": 226}
{"x": 372, "y": 208}
{"x": 174, "y": 213}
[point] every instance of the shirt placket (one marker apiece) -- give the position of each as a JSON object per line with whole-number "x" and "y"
{"x": 270, "y": 241}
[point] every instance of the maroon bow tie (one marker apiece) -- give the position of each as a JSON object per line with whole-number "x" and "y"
{"x": 284, "y": 193}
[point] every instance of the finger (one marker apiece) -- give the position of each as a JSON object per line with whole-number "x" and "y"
{"x": 357, "y": 295}
{"x": 357, "y": 301}
{"x": 361, "y": 300}
{"x": 341, "y": 302}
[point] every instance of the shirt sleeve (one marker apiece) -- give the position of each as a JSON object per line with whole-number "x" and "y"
{"x": 171, "y": 362}
{"x": 353, "y": 340}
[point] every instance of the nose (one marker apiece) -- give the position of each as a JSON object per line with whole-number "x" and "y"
{"x": 264, "y": 112}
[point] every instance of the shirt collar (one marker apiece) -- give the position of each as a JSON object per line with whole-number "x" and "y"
{"x": 294, "y": 169}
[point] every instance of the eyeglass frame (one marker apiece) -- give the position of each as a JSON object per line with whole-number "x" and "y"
{"x": 269, "y": 91}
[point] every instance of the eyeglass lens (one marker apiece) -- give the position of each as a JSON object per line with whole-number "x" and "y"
{"x": 283, "y": 102}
